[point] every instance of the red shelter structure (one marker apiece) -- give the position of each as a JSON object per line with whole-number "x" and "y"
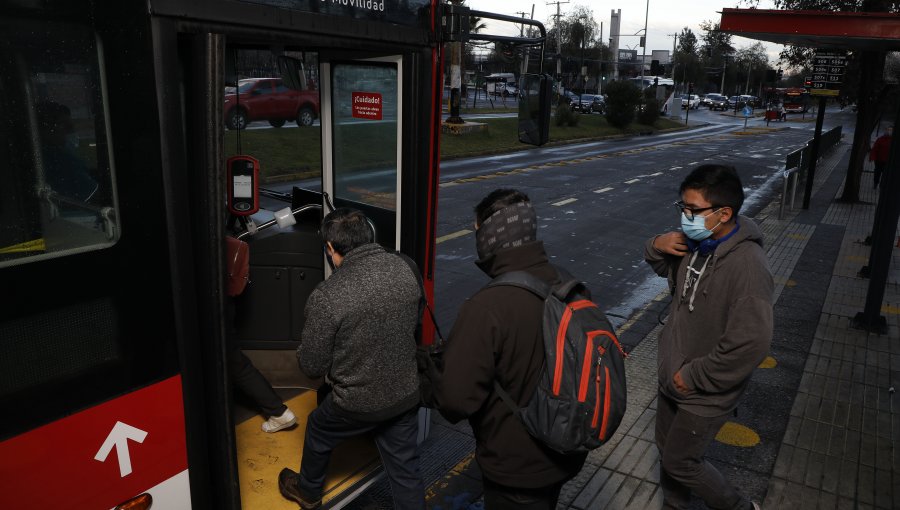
{"x": 856, "y": 31}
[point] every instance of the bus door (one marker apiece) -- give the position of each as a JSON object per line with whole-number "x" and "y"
{"x": 362, "y": 126}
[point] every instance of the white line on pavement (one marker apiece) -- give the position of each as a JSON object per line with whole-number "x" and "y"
{"x": 632, "y": 181}
{"x": 654, "y": 175}
{"x": 603, "y": 190}
{"x": 565, "y": 202}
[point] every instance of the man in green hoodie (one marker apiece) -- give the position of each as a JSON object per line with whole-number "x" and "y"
{"x": 719, "y": 329}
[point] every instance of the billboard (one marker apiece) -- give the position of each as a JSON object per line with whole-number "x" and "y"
{"x": 628, "y": 56}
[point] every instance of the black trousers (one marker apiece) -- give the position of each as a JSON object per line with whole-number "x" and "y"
{"x": 504, "y": 497}
{"x": 396, "y": 442}
{"x": 879, "y": 169}
{"x": 252, "y": 383}
{"x": 682, "y": 439}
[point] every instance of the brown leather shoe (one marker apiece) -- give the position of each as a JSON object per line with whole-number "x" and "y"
{"x": 289, "y": 486}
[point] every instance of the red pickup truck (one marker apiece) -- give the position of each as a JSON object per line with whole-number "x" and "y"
{"x": 268, "y": 99}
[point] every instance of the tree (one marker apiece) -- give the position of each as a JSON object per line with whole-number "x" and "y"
{"x": 688, "y": 67}
{"x": 623, "y": 99}
{"x": 872, "y": 90}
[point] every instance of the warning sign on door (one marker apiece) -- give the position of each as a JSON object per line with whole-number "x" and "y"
{"x": 367, "y": 105}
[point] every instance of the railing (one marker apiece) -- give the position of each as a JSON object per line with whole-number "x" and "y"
{"x": 797, "y": 163}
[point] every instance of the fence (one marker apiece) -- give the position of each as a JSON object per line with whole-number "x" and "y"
{"x": 797, "y": 163}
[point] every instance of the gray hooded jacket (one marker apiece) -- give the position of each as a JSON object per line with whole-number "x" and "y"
{"x": 719, "y": 327}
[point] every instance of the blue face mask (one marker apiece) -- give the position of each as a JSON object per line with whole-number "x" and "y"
{"x": 696, "y": 229}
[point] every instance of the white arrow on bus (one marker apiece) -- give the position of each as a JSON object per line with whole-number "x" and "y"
{"x": 118, "y": 438}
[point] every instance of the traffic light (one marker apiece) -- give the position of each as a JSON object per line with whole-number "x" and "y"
{"x": 602, "y": 67}
{"x": 807, "y": 82}
{"x": 655, "y": 68}
{"x": 770, "y": 75}
{"x": 690, "y": 88}
{"x": 780, "y": 74}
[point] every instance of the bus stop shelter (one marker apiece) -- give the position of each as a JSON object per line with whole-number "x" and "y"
{"x": 855, "y": 31}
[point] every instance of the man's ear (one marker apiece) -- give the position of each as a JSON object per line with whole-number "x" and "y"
{"x": 330, "y": 247}
{"x": 727, "y": 214}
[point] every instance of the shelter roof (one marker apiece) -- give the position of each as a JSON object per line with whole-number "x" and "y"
{"x": 816, "y": 29}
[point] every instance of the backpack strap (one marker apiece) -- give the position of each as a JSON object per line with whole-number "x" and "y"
{"x": 523, "y": 280}
{"x": 423, "y": 301}
{"x": 506, "y": 398}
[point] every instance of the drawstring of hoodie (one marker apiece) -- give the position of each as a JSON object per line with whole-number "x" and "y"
{"x": 692, "y": 279}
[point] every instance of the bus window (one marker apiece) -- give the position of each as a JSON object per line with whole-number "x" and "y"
{"x": 364, "y": 106}
{"x": 59, "y": 196}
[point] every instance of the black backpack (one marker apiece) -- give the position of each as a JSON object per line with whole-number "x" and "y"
{"x": 580, "y": 399}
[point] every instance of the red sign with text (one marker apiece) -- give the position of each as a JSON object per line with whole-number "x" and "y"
{"x": 99, "y": 457}
{"x": 367, "y": 105}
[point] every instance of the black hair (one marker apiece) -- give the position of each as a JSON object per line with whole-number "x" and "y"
{"x": 497, "y": 200}
{"x": 346, "y": 229}
{"x": 720, "y": 185}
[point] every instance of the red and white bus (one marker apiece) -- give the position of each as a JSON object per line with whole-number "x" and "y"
{"x": 114, "y": 383}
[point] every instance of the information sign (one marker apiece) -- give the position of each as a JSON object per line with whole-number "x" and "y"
{"x": 828, "y": 73}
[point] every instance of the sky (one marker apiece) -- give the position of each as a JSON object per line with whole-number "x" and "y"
{"x": 664, "y": 18}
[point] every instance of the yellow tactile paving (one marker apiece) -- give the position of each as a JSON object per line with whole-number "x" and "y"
{"x": 735, "y": 434}
{"x": 261, "y": 456}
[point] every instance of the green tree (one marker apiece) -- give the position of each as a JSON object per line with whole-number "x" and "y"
{"x": 622, "y": 100}
{"x": 868, "y": 66}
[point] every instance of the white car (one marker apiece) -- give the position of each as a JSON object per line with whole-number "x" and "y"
{"x": 691, "y": 101}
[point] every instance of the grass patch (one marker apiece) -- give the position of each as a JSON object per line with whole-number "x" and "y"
{"x": 296, "y": 153}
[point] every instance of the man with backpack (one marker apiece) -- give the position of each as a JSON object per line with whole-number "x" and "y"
{"x": 718, "y": 331}
{"x": 360, "y": 334}
{"x": 497, "y": 341}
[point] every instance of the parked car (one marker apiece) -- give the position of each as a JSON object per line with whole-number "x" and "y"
{"x": 568, "y": 97}
{"x": 753, "y": 101}
{"x": 590, "y": 103}
{"x": 691, "y": 101}
{"x": 734, "y": 102}
{"x": 269, "y": 99}
{"x": 716, "y": 102}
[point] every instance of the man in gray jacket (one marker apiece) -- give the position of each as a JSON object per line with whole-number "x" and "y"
{"x": 719, "y": 329}
{"x": 360, "y": 334}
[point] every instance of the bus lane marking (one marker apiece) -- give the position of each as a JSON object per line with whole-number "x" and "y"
{"x": 454, "y": 235}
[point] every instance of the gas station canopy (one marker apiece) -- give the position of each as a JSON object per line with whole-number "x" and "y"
{"x": 878, "y": 31}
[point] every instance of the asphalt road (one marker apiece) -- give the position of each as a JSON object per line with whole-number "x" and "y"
{"x": 598, "y": 202}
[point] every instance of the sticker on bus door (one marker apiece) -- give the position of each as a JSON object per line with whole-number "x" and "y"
{"x": 367, "y": 105}
{"x": 102, "y": 456}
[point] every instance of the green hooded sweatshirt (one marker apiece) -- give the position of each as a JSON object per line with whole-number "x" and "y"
{"x": 720, "y": 325}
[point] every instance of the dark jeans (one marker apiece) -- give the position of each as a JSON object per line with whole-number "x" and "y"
{"x": 879, "y": 168}
{"x": 396, "y": 442}
{"x": 252, "y": 383}
{"x": 682, "y": 439}
{"x": 503, "y": 497}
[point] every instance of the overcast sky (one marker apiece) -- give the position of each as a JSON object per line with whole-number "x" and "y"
{"x": 664, "y": 19}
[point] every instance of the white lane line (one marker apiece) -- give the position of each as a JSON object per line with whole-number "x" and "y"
{"x": 453, "y": 236}
{"x": 565, "y": 202}
{"x": 694, "y": 163}
{"x": 603, "y": 190}
{"x": 632, "y": 181}
{"x": 676, "y": 168}
{"x": 655, "y": 175}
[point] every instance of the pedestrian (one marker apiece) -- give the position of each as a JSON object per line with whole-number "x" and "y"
{"x": 718, "y": 330}
{"x": 782, "y": 113}
{"x": 498, "y": 336}
{"x": 244, "y": 374}
{"x": 880, "y": 152}
{"x": 360, "y": 335}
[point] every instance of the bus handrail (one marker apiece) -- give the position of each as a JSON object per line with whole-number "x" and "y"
{"x": 273, "y": 222}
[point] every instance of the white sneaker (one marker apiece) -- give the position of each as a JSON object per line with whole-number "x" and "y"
{"x": 276, "y": 423}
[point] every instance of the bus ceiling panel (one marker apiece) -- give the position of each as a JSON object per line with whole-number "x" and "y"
{"x": 368, "y": 19}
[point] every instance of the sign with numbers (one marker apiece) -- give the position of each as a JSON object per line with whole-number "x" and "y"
{"x": 828, "y": 73}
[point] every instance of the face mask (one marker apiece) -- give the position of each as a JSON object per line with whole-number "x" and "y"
{"x": 696, "y": 229}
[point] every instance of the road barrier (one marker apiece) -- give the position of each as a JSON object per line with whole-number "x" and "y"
{"x": 797, "y": 163}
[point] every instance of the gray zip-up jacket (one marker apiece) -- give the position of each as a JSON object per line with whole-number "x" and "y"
{"x": 720, "y": 327}
{"x": 360, "y": 332}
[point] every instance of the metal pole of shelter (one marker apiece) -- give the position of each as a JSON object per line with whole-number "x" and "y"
{"x": 814, "y": 152}
{"x": 644, "y": 56}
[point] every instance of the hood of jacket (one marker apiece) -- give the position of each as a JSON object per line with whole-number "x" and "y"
{"x": 517, "y": 258}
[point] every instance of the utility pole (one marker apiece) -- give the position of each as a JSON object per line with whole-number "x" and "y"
{"x": 524, "y": 67}
{"x": 558, "y": 47}
{"x": 600, "y": 78}
{"x": 644, "y": 56}
{"x": 747, "y": 86}
{"x": 456, "y": 51}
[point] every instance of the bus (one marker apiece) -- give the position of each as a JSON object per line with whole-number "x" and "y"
{"x": 125, "y": 177}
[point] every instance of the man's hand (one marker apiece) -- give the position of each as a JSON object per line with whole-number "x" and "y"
{"x": 672, "y": 243}
{"x": 679, "y": 383}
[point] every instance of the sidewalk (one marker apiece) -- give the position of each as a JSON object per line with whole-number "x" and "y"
{"x": 832, "y": 385}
